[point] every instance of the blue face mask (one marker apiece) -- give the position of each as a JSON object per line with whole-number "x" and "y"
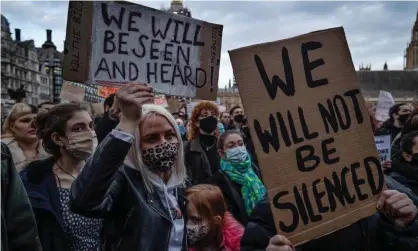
{"x": 182, "y": 129}
{"x": 236, "y": 155}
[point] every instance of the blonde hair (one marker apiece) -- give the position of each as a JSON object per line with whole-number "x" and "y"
{"x": 18, "y": 110}
{"x": 135, "y": 153}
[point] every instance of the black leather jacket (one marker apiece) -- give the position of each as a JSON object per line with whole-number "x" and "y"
{"x": 134, "y": 219}
{"x": 18, "y": 225}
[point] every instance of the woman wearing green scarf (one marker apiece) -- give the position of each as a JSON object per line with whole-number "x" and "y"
{"x": 242, "y": 176}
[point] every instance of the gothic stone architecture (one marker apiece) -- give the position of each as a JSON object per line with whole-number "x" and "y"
{"x": 229, "y": 96}
{"x": 411, "y": 53}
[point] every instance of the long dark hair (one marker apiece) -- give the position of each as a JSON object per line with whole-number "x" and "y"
{"x": 55, "y": 120}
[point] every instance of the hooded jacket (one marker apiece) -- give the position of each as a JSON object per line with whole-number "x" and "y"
{"x": 135, "y": 218}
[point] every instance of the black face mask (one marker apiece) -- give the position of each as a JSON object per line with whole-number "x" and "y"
{"x": 403, "y": 118}
{"x": 414, "y": 160}
{"x": 208, "y": 124}
{"x": 239, "y": 118}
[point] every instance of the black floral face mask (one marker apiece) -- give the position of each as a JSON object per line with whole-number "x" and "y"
{"x": 161, "y": 157}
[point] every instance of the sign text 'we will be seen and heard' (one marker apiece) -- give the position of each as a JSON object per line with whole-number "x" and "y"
{"x": 127, "y": 42}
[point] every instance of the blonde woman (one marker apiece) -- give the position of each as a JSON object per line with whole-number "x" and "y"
{"x": 135, "y": 178}
{"x": 19, "y": 135}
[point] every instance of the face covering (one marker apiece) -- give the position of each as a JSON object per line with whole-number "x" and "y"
{"x": 208, "y": 124}
{"x": 182, "y": 129}
{"x": 81, "y": 144}
{"x": 403, "y": 118}
{"x": 196, "y": 232}
{"x": 161, "y": 157}
{"x": 239, "y": 118}
{"x": 237, "y": 155}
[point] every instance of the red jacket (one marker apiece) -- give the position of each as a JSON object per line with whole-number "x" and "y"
{"x": 232, "y": 233}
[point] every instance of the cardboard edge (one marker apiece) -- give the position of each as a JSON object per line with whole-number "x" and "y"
{"x": 337, "y": 30}
{"x": 208, "y": 30}
{"x": 85, "y": 28}
{"x": 290, "y": 38}
{"x": 157, "y": 10}
{"x": 89, "y": 43}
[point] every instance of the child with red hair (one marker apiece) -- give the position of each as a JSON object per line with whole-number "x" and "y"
{"x": 210, "y": 226}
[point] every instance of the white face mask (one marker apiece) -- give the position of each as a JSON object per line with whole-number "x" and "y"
{"x": 196, "y": 232}
{"x": 81, "y": 144}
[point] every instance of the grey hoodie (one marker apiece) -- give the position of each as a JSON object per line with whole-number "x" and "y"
{"x": 168, "y": 195}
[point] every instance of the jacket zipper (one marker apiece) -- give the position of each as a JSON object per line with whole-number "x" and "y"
{"x": 124, "y": 226}
{"x": 363, "y": 231}
{"x": 168, "y": 236}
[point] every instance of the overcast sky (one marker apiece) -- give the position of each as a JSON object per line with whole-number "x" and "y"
{"x": 376, "y": 31}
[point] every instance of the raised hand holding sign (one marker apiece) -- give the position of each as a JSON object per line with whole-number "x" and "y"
{"x": 130, "y": 98}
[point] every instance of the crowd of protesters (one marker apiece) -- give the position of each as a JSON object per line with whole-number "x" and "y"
{"x": 141, "y": 178}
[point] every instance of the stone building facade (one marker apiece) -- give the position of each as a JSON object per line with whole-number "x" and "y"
{"x": 229, "y": 96}
{"x": 177, "y": 7}
{"x": 403, "y": 85}
{"x": 411, "y": 52}
{"x": 53, "y": 60}
{"x": 21, "y": 67}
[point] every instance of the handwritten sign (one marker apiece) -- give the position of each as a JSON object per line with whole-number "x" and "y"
{"x": 384, "y": 146}
{"x": 105, "y": 91}
{"x": 70, "y": 92}
{"x": 97, "y": 109}
{"x": 160, "y": 100}
{"x": 112, "y": 43}
{"x": 173, "y": 104}
{"x": 384, "y": 103}
{"x": 311, "y": 132}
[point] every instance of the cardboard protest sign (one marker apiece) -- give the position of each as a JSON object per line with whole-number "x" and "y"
{"x": 311, "y": 132}
{"x": 384, "y": 103}
{"x": 173, "y": 104}
{"x": 384, "y": 146}
{"x": 105, "y": 91}
{"x": 112, "y": 43}
{"x": 97, "y": 108}
{"x": 70, "y": 92}
{"x": 160, "y": 100}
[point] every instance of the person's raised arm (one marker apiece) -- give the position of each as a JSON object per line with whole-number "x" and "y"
{"x": 100, "y": 182}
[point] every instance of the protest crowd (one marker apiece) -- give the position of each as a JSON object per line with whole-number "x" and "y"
{"x": 141, "y": 177}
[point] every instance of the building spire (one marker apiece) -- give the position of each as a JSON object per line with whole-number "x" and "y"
{"x": 385, "y": 66}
